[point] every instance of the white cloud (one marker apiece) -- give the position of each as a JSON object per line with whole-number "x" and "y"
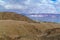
{"x": 14, "y": 6}
{"x": 42, "y": 7}
{"x": 37, "y": 15}
{"x": 27, "y": 2}
{"x": 48, "y": 9}
{"x": 7, "y": 5}
{"x": 2, "y": 2}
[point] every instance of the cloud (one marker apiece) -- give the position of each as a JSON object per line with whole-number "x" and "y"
{"x": 8, "y": 5}
{"x": 2, "y": 2}
{"x": 14, "y": 6}
{"x": 30, "y": 6}
{"x": 27, "y": 2}
{"x": 37, "y": 15}
{"x": 39, "y": 7}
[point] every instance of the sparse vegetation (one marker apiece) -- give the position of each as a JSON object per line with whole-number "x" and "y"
{"x": 14, "y": 16}
{"x": 57, "y": 37}
{"x": 18, "y": 27}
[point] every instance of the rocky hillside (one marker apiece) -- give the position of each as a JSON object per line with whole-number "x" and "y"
{"x": 21, "y": 30}
{"x": 14, "y": 16}
{"x": 18, "y": 27}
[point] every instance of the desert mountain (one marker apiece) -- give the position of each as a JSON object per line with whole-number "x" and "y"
{"x": 14, "y": 16}
{"x": 16, "y": 30}
{"x": 21, "y": 30}
{"x": 18, "y": 27}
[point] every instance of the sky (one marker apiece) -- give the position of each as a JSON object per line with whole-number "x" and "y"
{"x": 46, "y": 17}
{"x": 31, "y": 6}
{"x": 37, "y": 7}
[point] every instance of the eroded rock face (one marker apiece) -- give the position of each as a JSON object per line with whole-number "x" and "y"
{"x": 53, "y": 31}
{"x": 51, "y": 34}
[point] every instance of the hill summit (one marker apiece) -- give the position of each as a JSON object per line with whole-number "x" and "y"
{"x": 14, "y": 16}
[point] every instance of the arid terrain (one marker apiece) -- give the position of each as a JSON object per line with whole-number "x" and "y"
{"x": 18, "y": 27}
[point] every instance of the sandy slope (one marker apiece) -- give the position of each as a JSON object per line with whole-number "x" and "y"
{"x": 14, "y": 16}
{"x": 14, "y": 30}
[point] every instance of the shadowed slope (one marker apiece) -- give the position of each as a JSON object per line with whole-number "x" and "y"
{"x": 51, "y": 34}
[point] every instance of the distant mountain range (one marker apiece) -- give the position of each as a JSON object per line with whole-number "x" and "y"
{"x": 45, "y": 17}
